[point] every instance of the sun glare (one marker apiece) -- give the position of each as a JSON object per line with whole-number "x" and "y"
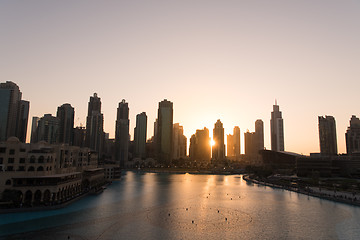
{"x": 212, "y": 142}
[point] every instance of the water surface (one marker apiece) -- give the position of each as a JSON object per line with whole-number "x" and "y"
{"x": 186, "y": 206}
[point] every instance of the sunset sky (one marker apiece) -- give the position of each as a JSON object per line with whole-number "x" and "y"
{"x": 225, "y": 60}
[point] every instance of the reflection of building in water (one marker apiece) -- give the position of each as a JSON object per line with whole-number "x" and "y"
{"x": 41, "y": 173}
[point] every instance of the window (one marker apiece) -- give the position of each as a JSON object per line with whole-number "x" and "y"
{"x": 2, "y": 150}
{"x": 21, "y": 168}
{"x": 41, "y": 159}
{"x": 11, "y": 160}
{"x": 22, "y": 150}
{"x": 31, "y": 169}
{"x": 1, "y": 160}
{"x": 10, "y": 168}
{"x": 32, "y": 159}
{"x": 22, "y": 160}
{"x": 11, "y": 151}
{"x": 8, "y": 182}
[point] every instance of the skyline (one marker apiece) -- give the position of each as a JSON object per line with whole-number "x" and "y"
{"x": 123, "y": 101}
{"x": 145, "y": 52}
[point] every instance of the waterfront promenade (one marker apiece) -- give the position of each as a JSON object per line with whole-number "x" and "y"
{"x": 337, "y": 196}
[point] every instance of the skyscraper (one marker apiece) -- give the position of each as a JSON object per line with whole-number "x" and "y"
{"x": 251, "y": 147}
{"x": 254, "y": 141}
{"x": 48, "y": 129}
{"x": 352, "y": 136}
{"x": 233, "y": 143}
{"x": 95, "y": 125}
{"x": 218, "y": 150}
{"x": 14, "y": 112}
{"x": 277, "y": 129}
{"x": 259, "y": 132}
{"x": 164, "y": 133}
{"x": 34, "y": 125}
{"x": 327, "y": 135}
{"x": 65, "y": 114}
{"x": 200, "y": 149}
{"x": 179, "y": 142}
{"x": 140, "y": 135}
{"x": 122, "y": 137}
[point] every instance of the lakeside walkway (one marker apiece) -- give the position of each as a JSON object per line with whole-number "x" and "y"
{"x": 337, "y": 196}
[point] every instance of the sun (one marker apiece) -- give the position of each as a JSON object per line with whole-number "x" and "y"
{"x": 212, "y": 142}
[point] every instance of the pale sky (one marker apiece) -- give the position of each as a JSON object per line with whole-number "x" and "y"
{"x": 225, "y": 60}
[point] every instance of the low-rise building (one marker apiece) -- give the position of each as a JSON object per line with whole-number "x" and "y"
{"x": 42, "y": 173}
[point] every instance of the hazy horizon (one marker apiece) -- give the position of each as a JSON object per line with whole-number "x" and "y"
{"x": 225, "y": 60}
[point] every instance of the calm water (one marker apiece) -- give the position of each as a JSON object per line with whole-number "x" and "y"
{"x": 185, "y": 206}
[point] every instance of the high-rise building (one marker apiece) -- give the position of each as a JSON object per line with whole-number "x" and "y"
{"x": 122, "y": 137}
{"x": 179, "y": 142}
{"x": 259, "y": 132}
{"x": 95, "y": 125}
{"x": 140, "y": 135}
{"x": 164, "y": 133}
{"x": 65, "y": 114}
{"x": 233, "y": 143}
{"x": 200, "y": 149}
{"x": 79, "y": 136}
{"x": 218, "y": 150}
{"x": 327, "y": 135}
{"x": 254, "y": 141}
{"x": 251, "y": 147}
{"x": 230, "y": 151}
{"x": 34, "y": 125}
{"x": 14, "y": 112}
{"x": 48, "y": 129}
{"x": 23, "y": 120}
{"x": 277, "y": 129}
{"x": 352, "y": 136}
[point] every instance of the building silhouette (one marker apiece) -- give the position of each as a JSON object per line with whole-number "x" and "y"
{"x": 250, "y": 143}
{"x": 254, "y": 141}
{"x": 277, "y": 129}
{"x": 140, "y": 132}
{"x": 94, "y": 125}
{"x": 164, "y": 129}
{"x": 200, "y": 149}
{"x": 79, "y": 136}
{"x": 34, "y": 125}
{"x": 233, "y": 143}
{"x": 47, "y": 129}
{"x": 14, "y": 112}
{"x": 352, "y": 136}
{"x": 122, "y": 136}
{"x": 65, "y": 114}
{"x": 327, "y": 135}
{"x": 179, "y": 142}
{"x": 218, "y": 150}
{"x": 259, "y": 132}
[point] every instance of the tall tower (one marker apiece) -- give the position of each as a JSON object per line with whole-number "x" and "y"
{"x": 327, "y": 135}
{"x": 236, "y": 141}
{"x": 259, "y": 132}
{"x": 218, "y": 151}
{"x": 140, "y": 135}
{"x": 179, "y": 142}
{"x": 14, "y": 112}
{"x": 48, "y": 129}
{"x": 233, "y": 143}
{"x": 164, "y": 133}
{"x": 95, "y": 125}
{"x": 277, "y": 129}
{"x": 65, "y": 114}
{"x": 122, "y": 133}
{"x": 200, "y": 149}
{"x": 352, "y": 136}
